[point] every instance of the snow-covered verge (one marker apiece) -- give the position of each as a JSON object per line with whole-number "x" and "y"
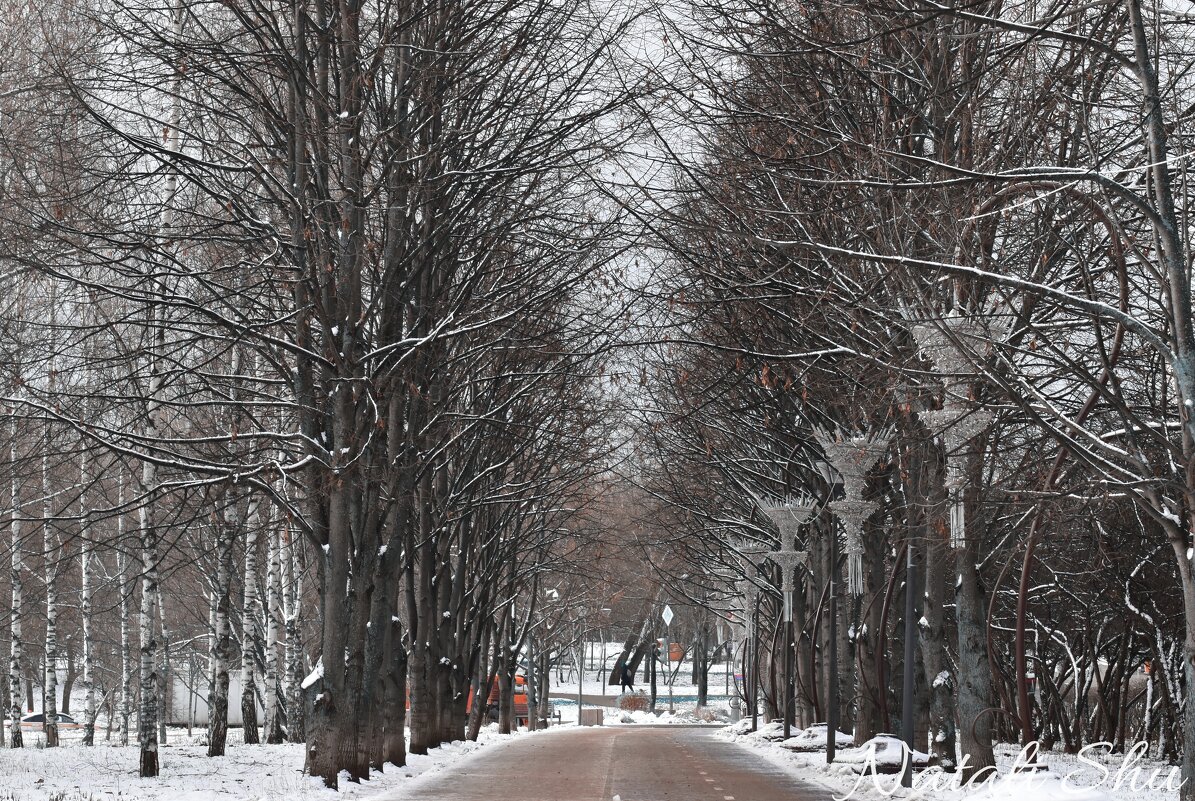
{"x": 1094, "y": 776}
{"x": 681, "y": 717}
{"x": 246, "y": 773}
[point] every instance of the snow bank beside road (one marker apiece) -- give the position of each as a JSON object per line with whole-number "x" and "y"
{"x": 246, "y": 773}
{"x": 682, "y": 717}
{"x": 1103, "y": 777}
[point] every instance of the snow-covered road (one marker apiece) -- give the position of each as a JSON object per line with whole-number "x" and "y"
{"x": 627, "y": 763}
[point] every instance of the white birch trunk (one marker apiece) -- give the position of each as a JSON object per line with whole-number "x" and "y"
{"x": 292, "y": 592}
{"x": 87, "y": 553}
{"x": 164, "y": 671}
{"x": 273, "y": 721}
{"x": 250, "y": 617}
{"x": 126, "y": 651}
{"x": 49, "y": 544}
{"x": 15, "y": 655}
{"x": 147, "y": 722}
{"x": 217, "y": 702}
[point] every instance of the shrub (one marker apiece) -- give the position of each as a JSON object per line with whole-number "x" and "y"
{"x": 633, "y": 703}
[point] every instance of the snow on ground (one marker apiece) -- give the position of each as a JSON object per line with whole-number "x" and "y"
{"x": 565, "y": 680}
{"x": 684, "y": 714}
{"x": 681, "y": 717}
{"x": 1094, "y": 776}
{"x": 247, "y": 773}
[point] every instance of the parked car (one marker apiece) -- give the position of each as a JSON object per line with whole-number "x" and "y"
{"x": 36, "y": 721}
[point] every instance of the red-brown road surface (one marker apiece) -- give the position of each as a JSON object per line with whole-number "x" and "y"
{"x": 664, "y": 763}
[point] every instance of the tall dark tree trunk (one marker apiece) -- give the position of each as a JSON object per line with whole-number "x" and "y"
{"x": 806, "y": 698}
{"x": 974, "y": 670}
{"x": 506, "y": 721}
{"x": 221, "y": 645}
{"x": 870, "y": 640}
{"x": 932, "y": 639}
{"x": 395, "y": 700}
{"x": 483, "y": 678}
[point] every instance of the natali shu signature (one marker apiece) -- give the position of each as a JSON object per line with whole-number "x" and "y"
{"x": 1130, "y": 774}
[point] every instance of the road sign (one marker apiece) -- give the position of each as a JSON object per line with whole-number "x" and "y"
{"x": 667, "y": 615}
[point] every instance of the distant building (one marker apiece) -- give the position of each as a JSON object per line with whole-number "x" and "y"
{"x": 188, "y": 699}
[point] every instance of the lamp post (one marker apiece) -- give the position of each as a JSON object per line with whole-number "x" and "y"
{"x": 581, "y": 668}
{"x": 605, "y": 611}
{"x": 788, "y": 517}
{"x": 750, "y": 593}
{"x": 957, "y": 423}
{"x": 851, "y": 458}
{"x": 906, "y": 712}
{"x": 750, "y": 680}
{"x": 667, "y": 615}
{"x": 752, "y": 555}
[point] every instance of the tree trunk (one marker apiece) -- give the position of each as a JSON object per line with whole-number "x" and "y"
{"x": 395, "y": 719}
{"x": 327, "y": 751}
{"x": 932, "y": 639}
{"x": 292, "y": 584}
{"x": 505, "y": 696}
{"x": 273, "y": 712}
{"x": 50, "y": 546}
{"x": 164, "y": 671}
{"x": 532, "y": 696}
{"x": 72, "y": 676}
{"x": 87, "y": 554}
{"x": 870, "y": 639}
{"x": 483, "y": 677}
{"x": 126, "y": 637}
{"x": 220, "y": 645}
{"x": 250, "y": 615}
{"x": 805, "y": 695}
{"x": 18, "y": 611}
{"x": 147, "y": 726}
{"x": 975, "y": 689}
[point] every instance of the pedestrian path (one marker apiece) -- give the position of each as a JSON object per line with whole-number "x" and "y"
{"x": 667, "y": 763}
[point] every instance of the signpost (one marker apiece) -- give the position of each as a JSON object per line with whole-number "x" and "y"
{"x": 581, "y": 671}
{"x": 667, "y": 615}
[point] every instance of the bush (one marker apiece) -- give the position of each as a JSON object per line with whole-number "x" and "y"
{"x": 709, "y": 714}
{"x": 637, "y": 702}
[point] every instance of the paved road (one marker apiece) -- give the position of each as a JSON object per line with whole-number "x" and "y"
{"x": 665, "y": 763}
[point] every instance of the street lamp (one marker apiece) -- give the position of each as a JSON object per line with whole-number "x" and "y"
{"x": 752, "y": 554}
{"x": 788, "y": 517}
{"x": 851, "y": 458}
{"x": 958, "y": 422}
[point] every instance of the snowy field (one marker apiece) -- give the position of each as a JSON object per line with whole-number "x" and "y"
{"x": 246, "y": 773}
{"x": 108, "y": 772}
{"x": 565, "y": 680}
{"x": 1114, "y": 777}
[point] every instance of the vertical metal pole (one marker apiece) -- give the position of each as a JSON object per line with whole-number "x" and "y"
{"x": 832, "y": 690}
{"x": 602, "y": 633}
{"x": 788, "y": 663}
{"x": 653, "y": 660}
{"x": 668, "y": 651}
{"x": 605, "y": 676}
{"x": 751, "y": 697}
{"x": 580, "y": 671}
{"x": 729, "y": 667}
{"x": 907, "y": 713}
